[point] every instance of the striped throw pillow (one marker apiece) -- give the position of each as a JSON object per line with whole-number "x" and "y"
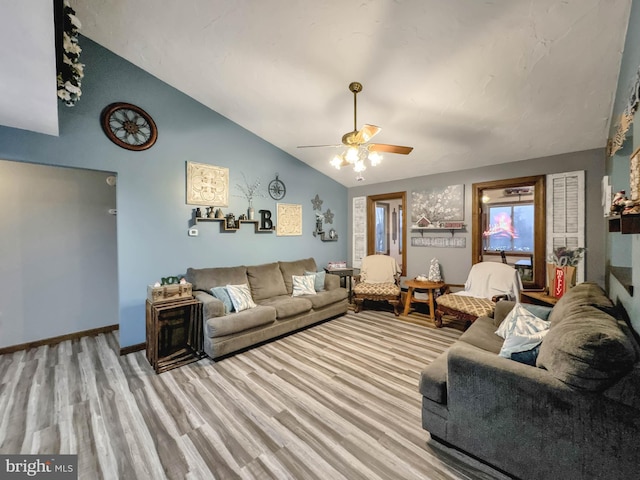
{"x": 303, "y": 285}
{"x": 241, "y": 297}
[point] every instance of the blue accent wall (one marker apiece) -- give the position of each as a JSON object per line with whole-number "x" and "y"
{"x": 153, "y": 218}
{"x": 624, "y": 250}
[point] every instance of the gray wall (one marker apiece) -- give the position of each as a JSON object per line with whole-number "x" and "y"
{"x": 58, "y": 270}
{"x": 624, "y": 250}
{"x": 456, "y": 262}
{"x": 153, "y": 218}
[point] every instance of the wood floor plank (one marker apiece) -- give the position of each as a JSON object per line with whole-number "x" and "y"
{"x": 338, "y": 400}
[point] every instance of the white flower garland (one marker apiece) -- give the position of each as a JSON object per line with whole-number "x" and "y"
{"x": 69, "y": 77}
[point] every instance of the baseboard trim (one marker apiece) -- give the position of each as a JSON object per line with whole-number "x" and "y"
{"x": 61, "y": 338}
{"x": 133, "y": 348}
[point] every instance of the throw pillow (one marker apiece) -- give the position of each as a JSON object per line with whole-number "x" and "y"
{"x": 528, "y": 357}
{"x": 241, "y": 297}
{"x": 522, "y": 331}
{"x": 303, "y": 285}
{"x": 222, "y": 294}
{"x": 318, "y": 283}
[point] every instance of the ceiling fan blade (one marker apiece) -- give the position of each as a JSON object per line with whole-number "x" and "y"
{"x": 317, "y": 146}
{"x": 381, "y": 147}
{"x": 366, "y": 133}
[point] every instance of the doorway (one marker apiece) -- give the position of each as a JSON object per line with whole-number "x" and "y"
{"x": 386, "y": 226}
{"x": 58, "y": 251}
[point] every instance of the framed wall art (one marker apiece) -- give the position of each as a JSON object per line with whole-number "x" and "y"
{"x": 207, "y": 185}
{"x": 289, "y": 220}
{"x": 437, "y": 204}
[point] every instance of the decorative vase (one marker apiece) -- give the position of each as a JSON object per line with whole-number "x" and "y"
{"x": 434, "y": 271}
{"x": 250, "y": 213}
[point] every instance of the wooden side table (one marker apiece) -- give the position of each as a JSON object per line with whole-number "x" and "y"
{"x": 346, "y": 274}
{"x": 429, "y": 287}
{"x": 174, "y": 333}
{"x": 538, "y": 298}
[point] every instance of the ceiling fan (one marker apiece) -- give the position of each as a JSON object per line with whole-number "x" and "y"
{"x": 358, "y": 149}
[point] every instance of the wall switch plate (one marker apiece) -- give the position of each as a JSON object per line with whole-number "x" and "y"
{"x": 193, "y": 232}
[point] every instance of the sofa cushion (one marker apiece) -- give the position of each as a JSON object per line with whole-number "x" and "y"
{"x": 482, "y": 334}
{"x": 297, "y": 267}
{"x": 239, "y": 321}
{"x": 587, "y": 293}
{"x": 586, "y": 348}
{"x": 287, "y": 306}
{"x": 207, "y": 278}
{"x": 266, "y": 281}
{"x": 328, "y": 297}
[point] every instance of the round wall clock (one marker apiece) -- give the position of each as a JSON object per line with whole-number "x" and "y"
{"x": 129, "y": 126}
{"x": 277, "y": 190}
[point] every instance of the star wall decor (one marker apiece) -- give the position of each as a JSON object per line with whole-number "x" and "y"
{"x": 328, "y": 216}
{"x": 317, "y": 203}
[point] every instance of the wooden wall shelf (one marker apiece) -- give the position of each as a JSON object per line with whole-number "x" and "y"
{"x": 625, "y": 224}
{"x": 238, "y": 224}
{"x": 438, "y": 229}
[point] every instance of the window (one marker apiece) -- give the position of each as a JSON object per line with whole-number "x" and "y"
{"x": 510, "y": 228}
{"x": 509, "y": 216}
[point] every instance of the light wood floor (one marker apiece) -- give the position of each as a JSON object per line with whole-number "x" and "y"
{"x": 336, "y": 401}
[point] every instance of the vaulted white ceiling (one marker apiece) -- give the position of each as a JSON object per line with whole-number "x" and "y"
{"x": 465, "y": 82}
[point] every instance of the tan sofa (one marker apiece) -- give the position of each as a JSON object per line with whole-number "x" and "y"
{"x": 277, "y": 311}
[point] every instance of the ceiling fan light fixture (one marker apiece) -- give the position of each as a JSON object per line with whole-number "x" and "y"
{"x": 358, "y": 150}
{"x": 352, "y": 154}
{"x": 374, "y": 158}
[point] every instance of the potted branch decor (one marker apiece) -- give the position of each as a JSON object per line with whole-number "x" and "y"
{"x": 561, "y": 269}
{"x": 249, "y": 192}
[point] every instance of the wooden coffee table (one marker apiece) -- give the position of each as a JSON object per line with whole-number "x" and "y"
{"x": 429, "y": 287}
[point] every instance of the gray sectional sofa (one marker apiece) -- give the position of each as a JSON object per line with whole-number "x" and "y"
{"x": 277, "y": 312}
{"x": 574, "y": 415}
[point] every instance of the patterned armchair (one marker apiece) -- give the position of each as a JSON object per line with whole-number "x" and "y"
{"x": 379, "y": 280}
{"x": 487, "y": 283}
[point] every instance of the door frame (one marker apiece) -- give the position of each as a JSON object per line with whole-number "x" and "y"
{"x": 371, "y": 223}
